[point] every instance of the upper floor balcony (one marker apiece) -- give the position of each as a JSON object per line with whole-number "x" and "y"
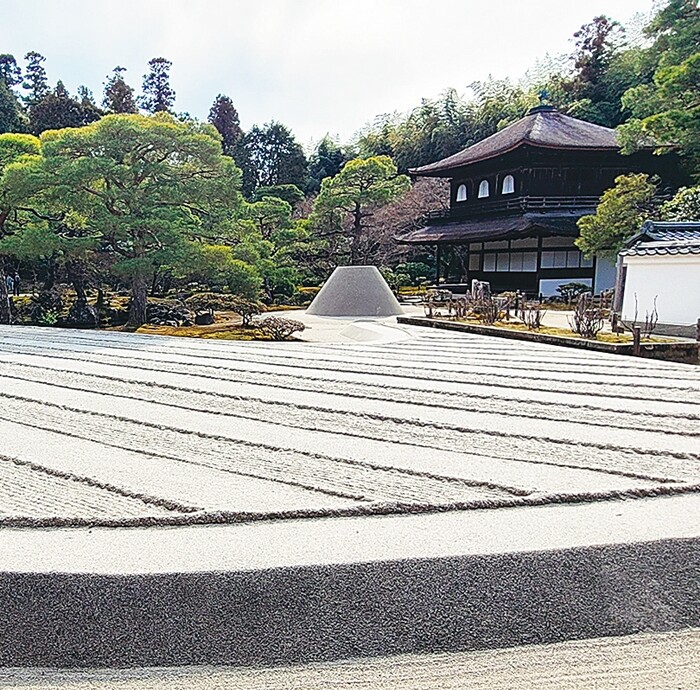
{"x": 520, "y": 204}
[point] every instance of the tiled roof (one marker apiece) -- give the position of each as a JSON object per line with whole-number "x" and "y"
{"x": 657, "y": 238}
{"x": 659, "y": 248}
{"x": 543, "y": 126}
{"x": 494, "y": 228}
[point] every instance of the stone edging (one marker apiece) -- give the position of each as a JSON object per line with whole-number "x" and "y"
{"x": 688, "y": 352}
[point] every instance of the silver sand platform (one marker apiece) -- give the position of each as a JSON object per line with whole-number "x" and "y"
{"x": 169, "y": 502}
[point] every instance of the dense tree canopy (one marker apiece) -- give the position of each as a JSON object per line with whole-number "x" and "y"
{"x": 13, "y": 148}
{"x": 146, "y": 187}
{"x": 11, "y": 116}
{"x": 667, "y": 110}
{"x": 684, "y": 206}
{"x": 271, "y": 156}
{"x": 58, "y": 109}
{"x": 326, "y": 161}
{"x": 10, "y": 72}
{"x": 11, "y": 119}
{"x": 618, "y": 217}
{"x": 113, "y": 197}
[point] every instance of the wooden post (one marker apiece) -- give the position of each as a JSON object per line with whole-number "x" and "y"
{"x": 636, "y": 340}
{"x": 697, "y": 331}
{"x": 438, "y": 261}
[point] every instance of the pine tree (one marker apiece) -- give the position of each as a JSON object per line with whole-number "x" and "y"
{"x": 34, "y": 79}
{"x": 158, "y": 96}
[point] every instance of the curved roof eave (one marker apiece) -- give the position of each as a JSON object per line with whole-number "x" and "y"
{"x": 430, "y": 171}
{"x": 543, "y": 127}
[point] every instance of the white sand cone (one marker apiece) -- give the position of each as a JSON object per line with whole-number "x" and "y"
{"x": 355, "y": 291}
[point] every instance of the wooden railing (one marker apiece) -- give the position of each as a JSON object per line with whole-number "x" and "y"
{"x": 523, "y": 203}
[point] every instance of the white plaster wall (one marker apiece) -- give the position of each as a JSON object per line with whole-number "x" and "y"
{"x": 548, "y": 286}
{"x": 674, "y": 280}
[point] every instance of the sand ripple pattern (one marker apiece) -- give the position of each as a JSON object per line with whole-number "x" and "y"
{"x": 439, "y": 422}
{"x": 29, "y": 493}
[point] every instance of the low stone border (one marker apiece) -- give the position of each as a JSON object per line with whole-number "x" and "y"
{"x": 684, "y": 352}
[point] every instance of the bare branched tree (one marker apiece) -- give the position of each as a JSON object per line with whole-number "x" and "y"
{"x": 587, "y": 319}
{"x": 531, "y": 314}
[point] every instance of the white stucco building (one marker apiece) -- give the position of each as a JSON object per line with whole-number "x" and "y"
{"x": 662, "y": 263}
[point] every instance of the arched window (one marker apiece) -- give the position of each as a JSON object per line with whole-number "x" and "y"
{"x": 483, "y": 189}
{"x": 508, "y": 185}
{"x": 461, "y": 193}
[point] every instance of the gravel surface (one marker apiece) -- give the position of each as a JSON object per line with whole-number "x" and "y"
{"x": 666, "y": 661}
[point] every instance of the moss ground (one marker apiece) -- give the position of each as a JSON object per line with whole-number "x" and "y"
{"x": 603, "y": 336}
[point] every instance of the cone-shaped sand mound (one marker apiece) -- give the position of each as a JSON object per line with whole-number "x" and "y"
{"x": 355, "y": 291}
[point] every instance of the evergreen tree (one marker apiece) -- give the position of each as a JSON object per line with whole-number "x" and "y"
{"x": 35, "y": 81}
{"x": 619, "y": 215}
{"x": 11, "y": 116}
{"x": 343, "y": 213}
{"x": 11, "y": 119}
{"x": 326, "y": 161}
{"x": 13, "y": 147}
{"x": 158, "y": 96}
{"x": 683, "y": 207}
{"x": 118, "y": 95}
{"x": 10, "y": 73}
{"x": 224, "y": 116}
{"x": 595, "y": 46}
{"x": 87, "y": 101}
{"x": 146, "y": 187}
{"x": 286, "y": 192}
{"x": 272, "y": 157}
{"x": 595, "y": 91}
{"x": 667, "y": 111}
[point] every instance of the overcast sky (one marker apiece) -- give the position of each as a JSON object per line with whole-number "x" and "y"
{"x": 316, "y": 65}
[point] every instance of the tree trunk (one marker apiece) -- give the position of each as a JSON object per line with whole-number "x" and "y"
{"x": 77, "y": 277}
{"x": 267, "y": 289}
{"x": 356, "y": 235}
{"x": 139, "y": 300}
{"x": 79, "y": 287}
{"x": 154, "y": 283}
{"x": 50, "y": 280}
{"x": 5, "y": 307}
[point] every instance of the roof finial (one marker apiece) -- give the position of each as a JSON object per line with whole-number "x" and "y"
{"x": 544, "y": 106}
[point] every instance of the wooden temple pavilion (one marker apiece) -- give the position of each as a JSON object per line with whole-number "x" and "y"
{"x": 515, "y": 198}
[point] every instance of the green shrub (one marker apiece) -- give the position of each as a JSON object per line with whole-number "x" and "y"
{"x": 211, "y": 301}
{"x": 277, "y": 328}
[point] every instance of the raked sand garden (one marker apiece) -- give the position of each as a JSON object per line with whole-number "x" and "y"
{"x": 112, "y": 429}
{"x": 400, "y": 490}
